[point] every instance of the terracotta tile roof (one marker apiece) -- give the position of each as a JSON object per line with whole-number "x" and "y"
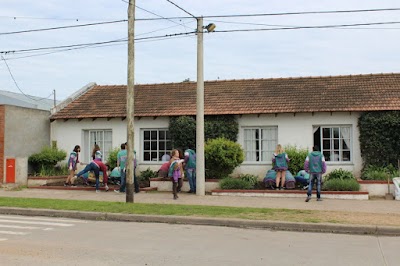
{"x": 371, "y": 92}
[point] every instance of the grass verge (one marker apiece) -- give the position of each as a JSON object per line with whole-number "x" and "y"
{"x": 288, "y": 215}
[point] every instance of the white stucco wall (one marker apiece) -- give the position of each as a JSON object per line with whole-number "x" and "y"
{"x": 71, "y": 132}
{"x": 292, "y": 130}
{"x": 297, "y": 129}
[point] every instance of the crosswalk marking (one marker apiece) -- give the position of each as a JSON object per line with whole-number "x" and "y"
{"x": 32, "y": 222}
{"x": 17, "y": 226}
{"x": 20, "y": 227}
{"x": 13, "y": 233}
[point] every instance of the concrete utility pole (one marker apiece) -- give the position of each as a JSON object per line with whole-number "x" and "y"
{"x": 200, "y": 165}
{"x": 130, "y": 95}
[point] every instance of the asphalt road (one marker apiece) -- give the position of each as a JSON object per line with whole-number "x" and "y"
{"x": 53, "y": 241}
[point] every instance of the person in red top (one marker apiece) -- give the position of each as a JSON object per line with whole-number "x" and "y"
{"x": 96, "y": 166}
{"x": 163, "y": 171}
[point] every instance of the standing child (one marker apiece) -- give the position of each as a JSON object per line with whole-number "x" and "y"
{"x": 190, "y": 169}
{"x": 175, "y": 172}
{"x": 315, "y": 165}
{"x": 96, "y": 153}
{"x": 72, "y": 162}
{"x": 281, "y": 160}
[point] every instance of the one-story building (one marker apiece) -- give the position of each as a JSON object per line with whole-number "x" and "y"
{"x": 303, "y": 111}
{"x": 24, "y": 130}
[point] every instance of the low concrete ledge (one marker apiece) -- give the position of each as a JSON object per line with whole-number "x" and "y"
{"x": 165, "y": 184}
{"x": 143, "y": 189}
{"x": 238, "y": 223}
{"x": 376, "y": 188}
{"x": 45, "y": 180}
{"x": 355, "y": 195}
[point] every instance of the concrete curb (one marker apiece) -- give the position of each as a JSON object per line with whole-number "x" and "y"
{"x": 238, "y": 223}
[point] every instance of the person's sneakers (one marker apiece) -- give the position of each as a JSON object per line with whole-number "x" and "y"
{"x": 73, "y": 185}
{"x": 116, "y": 191}
{"x": 308, "y": 198}
{"x": 319, "y": 199}
{"x": 305, "y": 187}
{"x": 277, "y": 188}
{"x": 176, "y": 197}
{"x": 283, "y": 188}
{"x": 65, "y": 184}
{"x": 137, "y": 191}
{"x": 107, "y": 188}
{"x": 190, "y": 191}
{"x": 97, "y": 191}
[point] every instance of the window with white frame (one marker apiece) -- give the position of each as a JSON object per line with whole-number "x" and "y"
{"x": 334, "y": 141}
{"x": 260, "y": 143}
{"x": 156, "y": 143}
{"x": 103, "y": 138}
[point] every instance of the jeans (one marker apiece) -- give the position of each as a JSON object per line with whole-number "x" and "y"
{"x": 91, "y": 167}
{"x": 191, "y": 176}
{"x": 313, "y": 177}
{"x": 123, "y": 181}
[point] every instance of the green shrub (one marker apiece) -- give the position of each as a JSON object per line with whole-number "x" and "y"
{"x": 222, "y": 156}
{"x": 252, "y": 179}
{"x": 182, "y": 129}
{"x": 235, "y": 183}
{"x": 339, "y": 174}
{"x": 341, "y": 185}
{"x": 372, "y": 172}
{"x": 379, "y": 137}
{"x": 297, "y": 157}
{"x": 221, "y": 126}
{"x": 112, "y": 158}
{"x": 53, "y": 171}
{"x": 147, "y": 174}
{"x": 46, "y": 159}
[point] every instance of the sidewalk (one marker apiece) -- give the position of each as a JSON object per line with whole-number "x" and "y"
{"x": 362, "y": 206}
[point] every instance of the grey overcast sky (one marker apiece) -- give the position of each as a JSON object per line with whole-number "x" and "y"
{"x": 237, "y": 55}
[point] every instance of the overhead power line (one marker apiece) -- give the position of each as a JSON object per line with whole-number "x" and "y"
{"x": 314, "y": 27}
{"x": 286, "y": 13}
{"x": 64, "y": 27}
{"x": 181, "y": 8}
{"x": 94, "y": 43}
{"x": 16, "y": 84}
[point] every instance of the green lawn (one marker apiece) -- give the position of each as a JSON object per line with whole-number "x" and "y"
{"x": 287, "y": 215}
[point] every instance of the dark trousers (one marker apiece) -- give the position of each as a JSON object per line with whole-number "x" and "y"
{"x": 176, "y": 186}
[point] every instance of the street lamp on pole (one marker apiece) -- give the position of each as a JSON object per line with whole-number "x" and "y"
{"x": 200, "y": 161}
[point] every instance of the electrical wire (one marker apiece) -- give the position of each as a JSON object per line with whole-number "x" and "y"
{"x": 181, "y": 8}
{"x": 313, "y": 27}
{"x": 16, "y": 84}
{"x": 84, "y": 44}
{"x": 64, "y": 27}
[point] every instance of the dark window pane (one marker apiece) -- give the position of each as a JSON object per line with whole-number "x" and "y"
{"x": 146, "y": 145}
{"x": 169, "y": 145}
{"x": 336, "y": 132}
{"x": 160, "y": 155}
{"x": 336, "y": 144}
{"x": 154, "y": 145}
{"x": 344, "y": 144}
{"x": 162, "y": 145}
{"x": 147, "y": 135}
{"x": 327, "y": 155}
{"x": 167, "y": 134}
{"x": 146, "y": 156}
{"x": 153, "y": 135}
{"x": 162, "y": 134}
{"x": 327, "y": 144}
{"x": 335, "y": 156}
{"x": 326, "y": 133}
{"x": 257, "y": 134}
{"x": 154, "y": 156}
{"x": 346, "y": 156}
